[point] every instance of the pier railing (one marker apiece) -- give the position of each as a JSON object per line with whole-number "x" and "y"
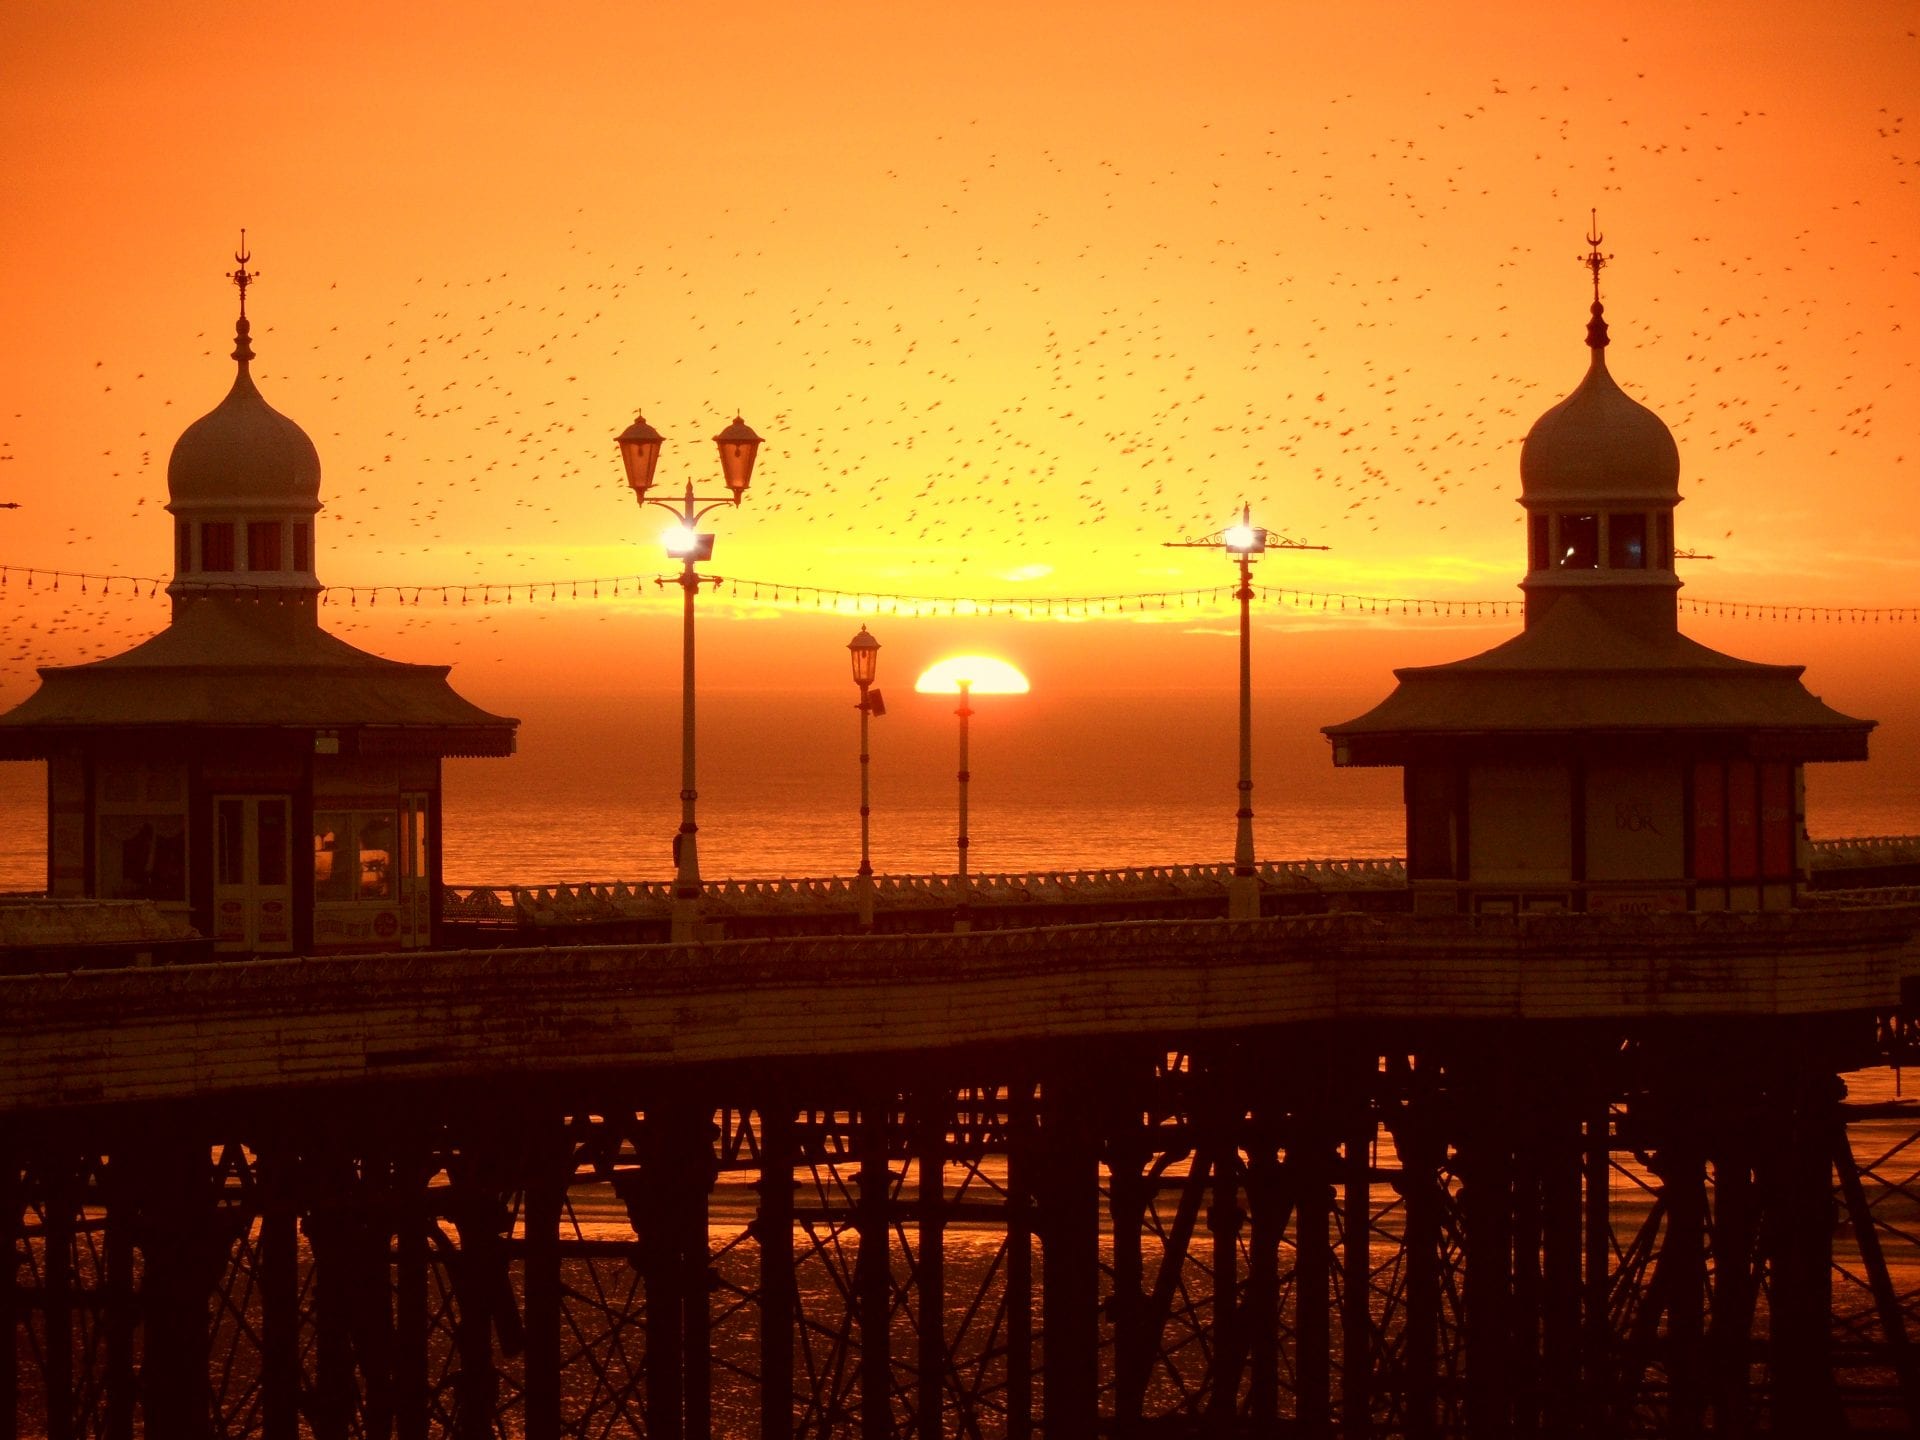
{"x": 653, "y": 899}
{"x": 1865, "y": 850}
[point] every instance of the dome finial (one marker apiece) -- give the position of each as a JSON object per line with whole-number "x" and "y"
{"x": 242, "y": 278}
{"x": 1596, "y": 262}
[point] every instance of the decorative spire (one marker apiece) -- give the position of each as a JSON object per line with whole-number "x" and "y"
{"x": 1595, "y": 261}
{"x": 242, "y": 278}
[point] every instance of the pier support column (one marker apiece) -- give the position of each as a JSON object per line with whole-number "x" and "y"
{"x": 59, "y": 1198}
{"x": 1597, "y": 1371}
{"x": 1728, "y": 1338}
{"x": 873, "y": 1270}
{"x": 692, "y": 1223}
{"x": 935, "y": 1106}
{"x": 1022, "y": 1158}
{"x": 1420, "y": 1140}
{"x": 1267, "y": 1222}
{"x": 480, "y": 1289}
{"x": 329, "y": 1225}
{"x": 1356, "y": 1240}
{"x": 1523, "y": 1297}
{"x": 1486, "y": 1166}
{"x": 12, "y": 1210}
{"x": 1800, "y": 1254}
{"x": 779, "y": 1300}
{"x": 1226, "y": 1218}
{"x": 122, "y": 1317}
{"x": 413, "y": 1170}
{"x": 1127, "y": 1195}
{"x": 280, "y": 1293}
{"x": 549, "y": 1170}
{"x": 667, "y": 1203}
{"x": 1558, "y": 1170}
{"x": 1310, "y": 1179}
{"x": 183, "y": 1249}
{"x": 1682, "y": 1277}
{"x": 1069, "y": 1180}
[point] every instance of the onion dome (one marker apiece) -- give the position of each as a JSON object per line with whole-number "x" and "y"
{"x": 1599, "y": 445}
{"x": 243, "y": 485}
{"x": 243, "y": 453}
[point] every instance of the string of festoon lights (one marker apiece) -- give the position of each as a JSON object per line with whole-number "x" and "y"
{"x": 787, "y": 594}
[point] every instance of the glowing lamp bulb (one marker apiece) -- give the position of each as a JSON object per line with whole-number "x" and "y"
{"x": 683, "y": 542}
{"x": 1244, "y": 539}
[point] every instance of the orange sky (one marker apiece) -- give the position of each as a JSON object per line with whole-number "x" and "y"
{"x": 1015, "y": 292}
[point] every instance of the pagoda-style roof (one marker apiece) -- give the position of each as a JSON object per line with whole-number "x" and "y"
{"x": 230, "y": 663}
{"x": 1577, "y": 672}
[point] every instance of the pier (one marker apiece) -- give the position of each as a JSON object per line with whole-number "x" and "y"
{"x": 1584, "y": 1120}
{"x": 1348, "y": 1173}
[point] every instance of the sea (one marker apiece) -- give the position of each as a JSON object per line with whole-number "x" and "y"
{"x": 1056, "y": 783}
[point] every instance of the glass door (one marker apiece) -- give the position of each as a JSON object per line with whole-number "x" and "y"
{"x": 252, "y": 884}
{"x": 416, "y": 920}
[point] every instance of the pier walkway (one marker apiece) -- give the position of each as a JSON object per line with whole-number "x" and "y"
{"x": 1348, "y": 1172}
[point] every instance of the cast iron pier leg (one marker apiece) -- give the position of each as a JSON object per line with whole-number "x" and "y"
{"x": 1021, "y": 1142}
{"x": 1308, "y": 1170}
{"x": 873, "y": 1272}
{"x": 1596, "y": 1319}
{"x": 413, "y": 1169}
{"x": 1487, "y": 1199}
{"x": 1560, "y": 1334}
{"x": 1267, "y": 1204}
{"x": 280, "y": 1295}
{"x": 1070, "y": 1246}
{"x": 12, "y": 1207}
{"x": 1356, "y": 1314}
{"x": 936, "y": 1105}
{"x": 546, "y": 1194}
{"x": 773, "y": 1229}
{"x": 1421, "y": 1152}
{"x": 1801, "y": 1253}
{"x": 1733, "y": 1293}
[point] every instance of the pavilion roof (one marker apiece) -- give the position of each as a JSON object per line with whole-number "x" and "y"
{"x": 1578, "y": 672}
{"x": 230, "y": 663}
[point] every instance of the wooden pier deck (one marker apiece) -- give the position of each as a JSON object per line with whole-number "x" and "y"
{"x": 177, "y": 1032}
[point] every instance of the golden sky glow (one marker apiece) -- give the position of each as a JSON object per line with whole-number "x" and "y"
{"x": 1016, "y": 293}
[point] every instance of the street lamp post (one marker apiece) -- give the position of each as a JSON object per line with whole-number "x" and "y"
{"x": 963, "y": 909}
{"x": 865, "y": 653}
{"x": 963, "y": 676}
{"x": 1243, "y": 541}
{"x": 640, "y": 452}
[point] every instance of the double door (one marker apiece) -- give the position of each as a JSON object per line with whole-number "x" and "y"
{"x": 253, "y": 874}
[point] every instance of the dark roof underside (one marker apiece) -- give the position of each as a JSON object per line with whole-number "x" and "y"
{"x": 226, "y": 664}
{"x": 1575, "y": 673}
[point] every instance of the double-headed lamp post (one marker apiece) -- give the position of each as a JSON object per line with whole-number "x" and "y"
{"x": 1244, "y": 540}
{"x": 640, "y": 452}
{"x": 865, "y": 653}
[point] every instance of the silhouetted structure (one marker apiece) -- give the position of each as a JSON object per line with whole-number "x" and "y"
{"x": 1537, "y": 1172}
{"x": 1600, "y": 760}
{"x": 243, "y": 767}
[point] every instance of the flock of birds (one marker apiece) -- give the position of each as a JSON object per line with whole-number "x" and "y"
{"x": 1048, "y": 364}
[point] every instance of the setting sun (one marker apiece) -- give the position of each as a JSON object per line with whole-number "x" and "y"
{"x": 982, "y": 674}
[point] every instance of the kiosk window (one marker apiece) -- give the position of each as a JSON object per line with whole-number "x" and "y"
{"x": 1579, "y": 542}
{"x": 353, "y": 854}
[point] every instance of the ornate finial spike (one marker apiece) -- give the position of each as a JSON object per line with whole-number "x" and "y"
{"x": 1595, "y": 261}
{"x": 242, "y": 278}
